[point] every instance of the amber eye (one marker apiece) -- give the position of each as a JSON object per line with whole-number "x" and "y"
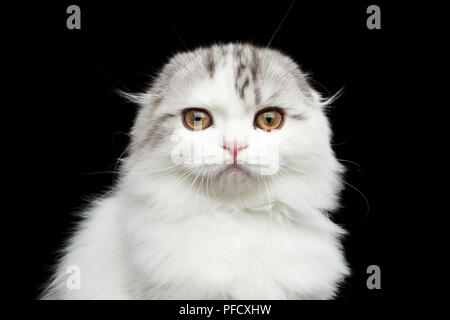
{"x": 269, "y": 119}
{"x": 196, "y": 119}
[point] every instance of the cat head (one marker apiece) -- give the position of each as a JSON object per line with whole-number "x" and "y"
{"x": 230, "y": 122}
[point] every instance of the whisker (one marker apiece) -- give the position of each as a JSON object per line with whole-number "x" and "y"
{"x": 279, "y": 26}
{"x": 366, "y": 214}
{"x": 352, "y": 162}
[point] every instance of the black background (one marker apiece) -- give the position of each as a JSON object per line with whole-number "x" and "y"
{"x": 76, "y": 123}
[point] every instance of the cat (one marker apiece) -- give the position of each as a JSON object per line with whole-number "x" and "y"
{"x": 225, "y": 192}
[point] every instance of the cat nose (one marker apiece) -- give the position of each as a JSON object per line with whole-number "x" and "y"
{"x": 233, "y": 147}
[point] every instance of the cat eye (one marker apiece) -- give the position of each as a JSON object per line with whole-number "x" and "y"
{"x": 196, "y": 119}
{"x": 269, "y": 118}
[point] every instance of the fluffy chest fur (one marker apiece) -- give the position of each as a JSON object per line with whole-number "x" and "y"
{"x": 223, "y": 253}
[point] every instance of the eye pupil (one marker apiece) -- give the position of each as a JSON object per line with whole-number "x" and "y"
{"x": 269, "y": 118}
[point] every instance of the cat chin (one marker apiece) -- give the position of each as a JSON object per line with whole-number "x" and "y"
{"x": 237, "y": 180}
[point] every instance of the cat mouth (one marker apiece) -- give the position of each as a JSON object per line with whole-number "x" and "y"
{"x": 234, "y": 170}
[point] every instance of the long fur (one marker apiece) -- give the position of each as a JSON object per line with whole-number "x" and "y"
{"x": 183, "y": 229}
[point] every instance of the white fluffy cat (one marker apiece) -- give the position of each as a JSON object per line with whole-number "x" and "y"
{"x": 225, "y": 191}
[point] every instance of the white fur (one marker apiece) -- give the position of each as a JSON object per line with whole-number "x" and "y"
{"x": 179, "y": 231}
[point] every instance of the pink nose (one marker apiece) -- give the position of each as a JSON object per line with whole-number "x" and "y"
{"x": 233, "y": 147}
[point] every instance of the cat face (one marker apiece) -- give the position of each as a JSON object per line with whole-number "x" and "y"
{"x": 233, "y": 114}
